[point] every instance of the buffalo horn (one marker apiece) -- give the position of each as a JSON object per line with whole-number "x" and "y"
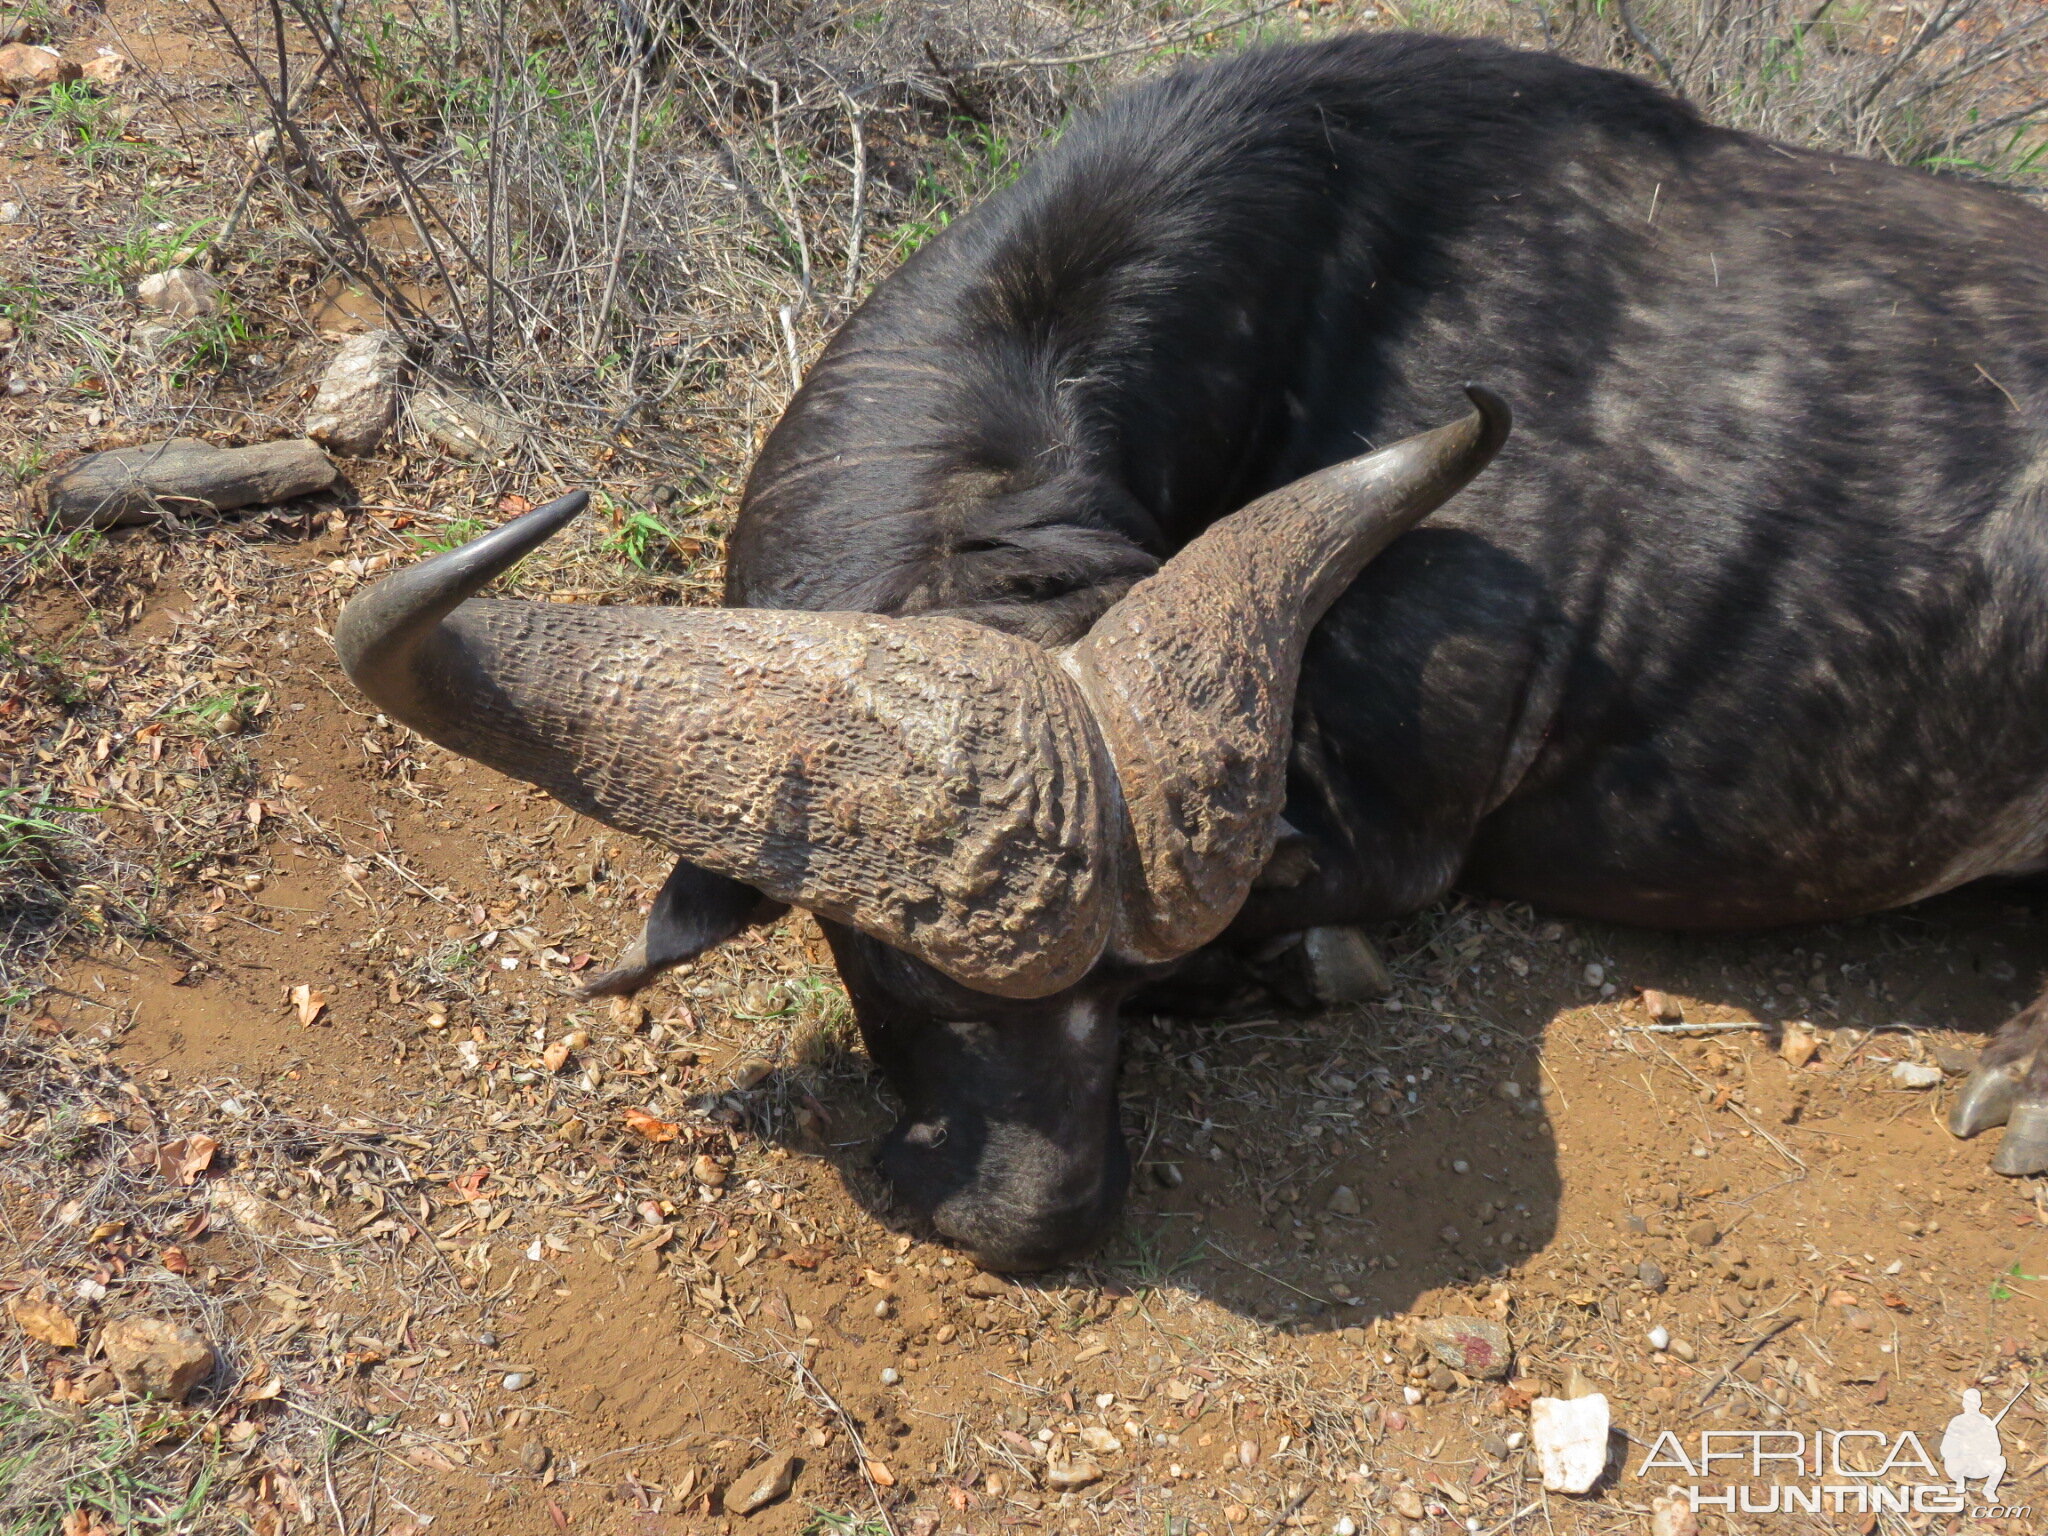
{"x": 947, "y": 788}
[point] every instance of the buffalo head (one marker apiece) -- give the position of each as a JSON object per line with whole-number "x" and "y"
{"x": 1000, "y": 836}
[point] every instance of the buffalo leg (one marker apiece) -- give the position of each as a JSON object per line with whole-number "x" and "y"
{"x": 2010, "y": 1088}
{"x": 694, "y": 911}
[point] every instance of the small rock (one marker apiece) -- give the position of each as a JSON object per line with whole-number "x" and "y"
{"x": 1910, "y": 1227}
{"x": 1595, "y": 973}
{"x": 1798, "y": 1044}
{"x": 1100, "y": 1440}
{"x": 1672, "y": 1515}
{"x": 1955, "y": 1060}
{"x": 536, "y": 1456}
{"x": 1651, "y": 1273}
{"x": 1344, "y": 1526}
{"x": 358, "y": 398}
{"x": 154, "y": 1358}
{"x": 1068, "y": 1475}
{"x": 1407, "y": 1503}
{"x": 891, "y": 1376}
{"x": 1660, "y": 1338}
{"x": 709, "y": 1171}
{"x": 1167, "y": 1175}
{"x": 1475, "y": 1345}
{"x": 1684, "y": 1350}
{"x": 463, "y": 423}
{"x": 1342, "y": 1201}
{"x": 104, "y": 69}
{"x": 1509, "y": 1090}
{"x": 26, "y": 68}
{"x": 1703, "y": 1233}
{"x": 1662, "y": 1007}
{"x": 1494, "y": 1446}
{"x": 183, "y": 293}
{"x": 1571, "y": 1440}
{"x": 763, "y": 1485}
{"x": 517, "y": 1381}
{"x": 1344, "y": 967}
{"x": 984, "y": 1285}
{"x": 751, "y": 1074}
{"x": 1915, "y": 1075}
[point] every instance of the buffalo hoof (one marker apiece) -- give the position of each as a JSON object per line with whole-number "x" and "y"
{"x": 2024, "y": 1150}
{"x": 1987, "y": 1100}
{"x": 633, "y": 972}
{"x": 1344, "y": 967}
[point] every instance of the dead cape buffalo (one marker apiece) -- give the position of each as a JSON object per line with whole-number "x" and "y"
{"x": 1028, "y": 689}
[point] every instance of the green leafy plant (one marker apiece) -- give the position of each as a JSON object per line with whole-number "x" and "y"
{"x": 825, "y": 1523}
{"x": 119, "y": 262}
{"x": 29, "y": 837}
{"x": 644, "y": 540}
{"x": 208, "y": 346}
{"x": 450, "y": 535}
{"x": 88, "y": 127}
{"x": 224, "y": 713}
{"x": 137, "y": 1469}
{"x": 2000, "y": 1291}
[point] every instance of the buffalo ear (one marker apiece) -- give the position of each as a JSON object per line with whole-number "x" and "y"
{"x": 695, "y": 910}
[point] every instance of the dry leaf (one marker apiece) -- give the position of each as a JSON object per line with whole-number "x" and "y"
{"x": 186, "y": 1158}
{"x": 513, "y": 504}
{"x": 309, "y": 1003}
{"x": 470, "y": 1185}
{"x": 175, "y": 1261}
{"x": 641, "y": 1123}
{"x": 44, "y": 1321}
{"x": 556, "y": 1056}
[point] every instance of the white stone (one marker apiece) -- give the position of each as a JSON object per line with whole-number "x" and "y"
{"x": 358, "y": 398}
{"x": 1916, "y": 1074}
{"x": 185, "y": 293}
{"x": 465, "y": 424}
{"x": 1660, "y": 1338}
{"x": 1571, "y": 1440}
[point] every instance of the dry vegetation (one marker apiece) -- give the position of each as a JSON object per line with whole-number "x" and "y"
{"x": 279, "y": 1063}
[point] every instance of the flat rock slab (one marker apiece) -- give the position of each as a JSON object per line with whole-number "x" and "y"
{"x": 182, "y": 477}
{"x": 762, "y": 1485}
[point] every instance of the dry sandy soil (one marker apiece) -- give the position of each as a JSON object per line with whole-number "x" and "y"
{"x": 305, "y": 1071}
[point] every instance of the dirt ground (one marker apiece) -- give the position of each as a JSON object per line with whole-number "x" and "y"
{"x": 305, "y": 1072}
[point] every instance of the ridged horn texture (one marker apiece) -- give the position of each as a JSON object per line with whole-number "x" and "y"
{"x": 1192, "y": 675}
{"x": 949, "y": 789}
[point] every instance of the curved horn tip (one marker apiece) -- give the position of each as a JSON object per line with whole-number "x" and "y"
{"x": 1495, "y": 419}
{"x": 379, "y": 627}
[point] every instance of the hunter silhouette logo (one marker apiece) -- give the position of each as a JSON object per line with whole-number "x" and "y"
{"x": 1841, "y": 1471}
{"x": 1969, "y": 1446}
